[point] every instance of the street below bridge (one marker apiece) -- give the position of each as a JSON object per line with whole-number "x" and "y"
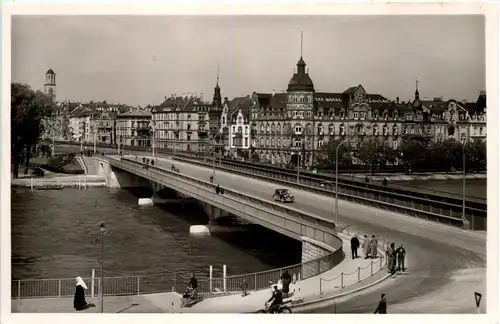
{"x": 445, "y": 265}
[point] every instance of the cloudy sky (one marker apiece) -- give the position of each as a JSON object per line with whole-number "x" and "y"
{"x": 141, "y": 59}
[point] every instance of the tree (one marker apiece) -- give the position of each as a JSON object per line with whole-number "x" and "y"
{"x": 28, "y": 109}
{"x": 447, "y": 154}
{"x": 475, "y": 155}
{"x": 325, "y": 157}
{"x": 374, "y": 153}
{"x": 414, "y": 149}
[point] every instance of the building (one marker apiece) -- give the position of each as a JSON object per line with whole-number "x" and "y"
{"x": 133, "y": 128}
{"x": 50, "y": 83}
{"x": 293, "y": 127}
{"x": 187, "y": 123}
{"x": 182, "y": 123}
{"x": 235, "y": 122}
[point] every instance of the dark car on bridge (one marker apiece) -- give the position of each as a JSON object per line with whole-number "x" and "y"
{"x": 283, "y": 195}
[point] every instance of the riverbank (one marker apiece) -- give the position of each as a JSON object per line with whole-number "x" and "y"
{"x": 419, "y": 176}
{"x": 60, "y": 181}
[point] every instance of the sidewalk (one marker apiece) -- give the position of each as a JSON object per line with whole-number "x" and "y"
{"x": 306, "y": 291}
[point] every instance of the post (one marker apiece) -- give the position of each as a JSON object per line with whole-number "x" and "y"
{"x": 337, "y": 181}
{"x": 93, "y": 282}
{"x": 59, "y": 289}
{"x": 298, "y": 168}
{"x": 371, "y": 268}
{"x": 153, "y": 142}
{"x": 464, "y": 219}
{"x": 138, "y": 285}
{"x": 224, "y": 277}
{"x": 101, "y": 288}
{"x": 31, "y": 183}
{"x": 341, "y": 280}
{"x": 359, "y": 274}
{"x": 95, "y": 139}
{"x": 210, "y": 269}
{"x": 255, "y": 282}
{"x": 19, "y": 289}
{"x": 320, "y": 290}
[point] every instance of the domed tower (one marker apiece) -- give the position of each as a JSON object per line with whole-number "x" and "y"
{"x": 50, "y": 83}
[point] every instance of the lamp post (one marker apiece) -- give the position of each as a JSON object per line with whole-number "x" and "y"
{"x": 464, "y": 219}
{"x": 153, "y": 129}
{"x": 102, "y": 230}
{"x": 337, "y": 180}
{"x": 213, "y": 157}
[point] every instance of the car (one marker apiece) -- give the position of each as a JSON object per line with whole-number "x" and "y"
{"x": 283, "y": 195}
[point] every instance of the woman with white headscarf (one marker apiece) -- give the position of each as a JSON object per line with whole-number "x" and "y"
{"x": 79, "y": 302}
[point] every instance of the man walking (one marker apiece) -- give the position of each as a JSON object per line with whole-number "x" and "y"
{"x": 382, "y": 306}
{"x": 401, "y": 253}
{"x": 354, "y": 247}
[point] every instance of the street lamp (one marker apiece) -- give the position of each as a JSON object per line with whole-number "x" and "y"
{"x": 102, "y": 230}
{"x": 213, "y": 157}
{"x": 337, "y": 181}
{"x": 464, "y": 219}
{"x": 153, "y": 129}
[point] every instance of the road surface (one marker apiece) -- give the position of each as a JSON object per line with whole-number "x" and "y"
{"x": 445, "y": 266}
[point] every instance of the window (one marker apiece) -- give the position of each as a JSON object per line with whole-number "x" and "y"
{"x": 267, "y": 128}
{"x": 279, "y": 142}
{"x": 240, "y": 130}
{"x": 261, "y": 128}
{"x": 246, "y": 130}
{"x": 342, "y": 114}
{"x": 298, "y": 129}
{"x": 188, "y": 137}
{"x": 375, "y": 114}
{"x": 294, "y": 114}
{"x": 405, "y": 131}
{"x": 278, "y": 127}
{"x": 320, "y": 129}
{"x": 412, "y": 130}
{"x": 363, "y": 115}
{"x": 261, "y": 141}
{"x": 272, "y": 142}
{"x": 189, "y": 116}
{"x": 188, "y": 126}
{"x": 409, "y": 116}
{"x": 331, "y": 129}
{"x": 246, "y": 141}
{"x": 234, "y": 129}
{"x": 342, "y": 130}
{"x": 356, "y": 115}
{"x": 267, "y": 142}
{"x": 375, "y": 130}
{"x": 240, "y": 120}
{"x": 298, "y": 143}
{"x": 395, "y": 130}
{"x": 224, "y": 120}
{"x": 384, "y": 130}
{"x": 320, "y": 144}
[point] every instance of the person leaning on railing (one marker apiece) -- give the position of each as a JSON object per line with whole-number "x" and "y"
{"x": 193, "y": 284}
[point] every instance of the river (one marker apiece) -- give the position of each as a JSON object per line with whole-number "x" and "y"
{"x": 54, "y": 235}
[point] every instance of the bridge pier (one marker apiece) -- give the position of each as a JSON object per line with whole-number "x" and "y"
{"x": 116, "y": 178}
{"x": 213, "y": 212}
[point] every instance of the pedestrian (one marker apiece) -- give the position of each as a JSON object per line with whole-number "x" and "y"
{"x": 391, "y": 258}
{"x": 244, "y": 287}
{"x": 385, "y": 182}
{"x": 286, "y": 279}
{"x": 382, "y": 306}
{"x": 354, "y": 247}
{"x": 217, "y": 189}
{"x": 401, "y": 253}
{"x": 79, "y": 302}
{"x": 366, "y": 247}
{"x": 373, "y": 247}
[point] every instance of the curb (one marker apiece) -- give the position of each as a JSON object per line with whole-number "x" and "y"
{"x": 320, "y": 300}
{"x": 317, "y": 301}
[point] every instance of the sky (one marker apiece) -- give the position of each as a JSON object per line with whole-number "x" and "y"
{"x": 138, "y": 60}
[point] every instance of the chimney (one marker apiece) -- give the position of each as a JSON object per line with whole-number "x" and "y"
{"x": 273, "y": 92}
{"x": 397, "y": 100}
{"x": 225, "y": 98}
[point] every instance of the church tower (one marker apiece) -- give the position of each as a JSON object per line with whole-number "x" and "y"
{"x": 50, "y": 83}
{"x": 217, "y": 99}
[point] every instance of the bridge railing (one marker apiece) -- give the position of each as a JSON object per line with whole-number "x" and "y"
{"x": 287, "y": 220}
{"x": 217, "y": 286}
{"x": 429, "y": 209}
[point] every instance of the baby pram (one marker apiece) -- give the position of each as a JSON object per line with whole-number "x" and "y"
{"x": 188, "y": 300}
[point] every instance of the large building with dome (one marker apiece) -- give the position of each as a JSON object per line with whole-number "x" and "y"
{"x": 299, "y": 122}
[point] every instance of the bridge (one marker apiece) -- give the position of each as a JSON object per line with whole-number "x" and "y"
{"x": 316, "y": 232}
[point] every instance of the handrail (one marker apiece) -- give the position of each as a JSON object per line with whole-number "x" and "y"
{"x": 162, "y": 282}
{"x": 355, "y": 184}
{"x": 415, "y": 206}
